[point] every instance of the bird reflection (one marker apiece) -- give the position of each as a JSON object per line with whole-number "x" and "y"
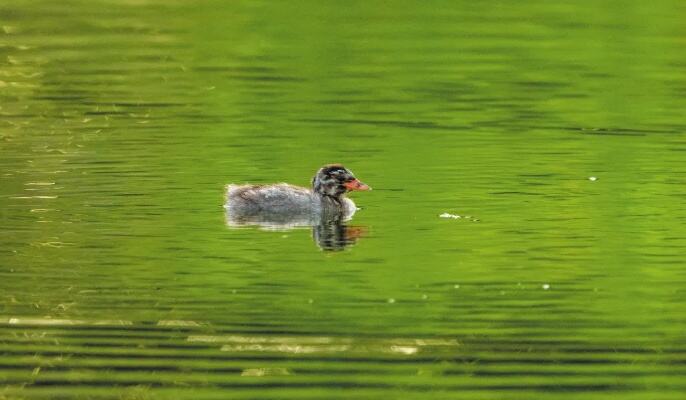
{"x": 330, "y": 231}
{"x": 335, "y": 235}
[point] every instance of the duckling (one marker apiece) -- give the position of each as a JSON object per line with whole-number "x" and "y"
{"x": 282, "y": 203}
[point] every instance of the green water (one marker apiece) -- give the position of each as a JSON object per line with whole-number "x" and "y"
{"x": 121, "y": 122}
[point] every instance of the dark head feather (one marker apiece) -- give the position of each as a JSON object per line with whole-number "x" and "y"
{"x": 330, "y": 179}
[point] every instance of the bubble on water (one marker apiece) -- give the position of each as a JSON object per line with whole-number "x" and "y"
{"x": 546, "y": 286}
{"x": 448, "y": 215}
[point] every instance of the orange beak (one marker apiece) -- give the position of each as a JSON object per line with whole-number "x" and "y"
{"x": 356, "y": 185}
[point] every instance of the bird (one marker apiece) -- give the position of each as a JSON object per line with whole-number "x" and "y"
{"x": 284, "y": 205}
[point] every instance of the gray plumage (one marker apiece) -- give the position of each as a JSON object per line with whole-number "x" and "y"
{"x": 284, "y": 206}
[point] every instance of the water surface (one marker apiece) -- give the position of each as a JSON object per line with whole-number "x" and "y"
{"x": 121, "y": 122}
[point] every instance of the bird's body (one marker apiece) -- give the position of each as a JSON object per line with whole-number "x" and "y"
{"x": 289, "y": 205}
{"x": 282, "y": 198}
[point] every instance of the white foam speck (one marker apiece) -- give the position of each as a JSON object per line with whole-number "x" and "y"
{"x": 448, "y": 215}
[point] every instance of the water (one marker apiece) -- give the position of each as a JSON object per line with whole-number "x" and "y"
{"x": 121, "y": 122}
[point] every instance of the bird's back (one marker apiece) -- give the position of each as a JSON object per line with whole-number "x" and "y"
{"x": 280, "y": 198}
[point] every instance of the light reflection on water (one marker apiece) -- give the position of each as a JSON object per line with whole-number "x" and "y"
{"x": 328, "y": 232}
